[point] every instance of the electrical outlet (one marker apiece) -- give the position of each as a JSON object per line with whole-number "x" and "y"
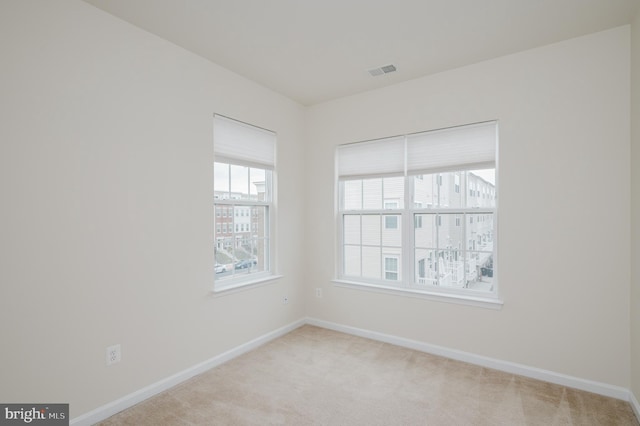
{"x": 113, "y": 354}
{"x": 318, "y": 291}
{"x": 285, "y": 300}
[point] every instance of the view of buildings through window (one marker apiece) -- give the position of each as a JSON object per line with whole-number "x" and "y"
{"x": 242, "y": 198}
{"x": 452, "y": 216}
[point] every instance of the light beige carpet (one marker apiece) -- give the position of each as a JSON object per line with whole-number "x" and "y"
{"x": 314, "y": 376}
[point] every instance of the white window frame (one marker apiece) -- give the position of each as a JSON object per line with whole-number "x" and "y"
{"x": 240, "y": 144}
{"x": 408, "y": 264}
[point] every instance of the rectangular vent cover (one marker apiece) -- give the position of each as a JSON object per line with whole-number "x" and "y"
{"x": 385, "y": 69}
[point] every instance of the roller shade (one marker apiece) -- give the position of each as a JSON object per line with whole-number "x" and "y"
{"x": 241, "y": 143}
{"x": 466, "y": 147}
{"x": 380, "y": 157}
{"x": 457, "y": 148}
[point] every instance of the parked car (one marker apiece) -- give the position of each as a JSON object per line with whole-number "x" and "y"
{"x": 220, "y": 269}
{"x": 245, "y": 263}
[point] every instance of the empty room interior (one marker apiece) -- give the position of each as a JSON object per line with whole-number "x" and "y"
{"x": 187, "y": 183}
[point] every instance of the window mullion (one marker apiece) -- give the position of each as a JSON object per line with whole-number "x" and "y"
{"x": 361, "y": 245}
{"x": 408, "y": 235}
{"x": 464, "y": 248}
{"x": 382, "y": 260}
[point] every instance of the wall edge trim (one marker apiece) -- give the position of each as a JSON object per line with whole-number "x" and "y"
{"x": 604, "y": 389}
{"x": 140, "y": 395}
{"x": 634, "y": 404}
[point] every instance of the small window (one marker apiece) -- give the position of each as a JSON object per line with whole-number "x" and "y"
{"x": 391, "y": 222}
{"x": 244, "y": 159}
{"x": 391, "y": 268}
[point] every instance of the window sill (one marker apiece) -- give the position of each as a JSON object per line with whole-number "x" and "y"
{"x": 461, "y": 299}
{"x": 237, "y": 287}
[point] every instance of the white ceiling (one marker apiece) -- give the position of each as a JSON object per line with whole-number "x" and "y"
{"x": 317, "y": 50}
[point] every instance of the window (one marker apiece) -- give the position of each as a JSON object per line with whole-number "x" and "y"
{"x": 391, "y": 268}
{"x": 433, "y": 182}
{"x": 244, "y": 160}
{"x": 390, "y": 222}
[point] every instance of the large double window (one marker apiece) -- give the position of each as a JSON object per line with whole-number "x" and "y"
{"x": 418, "y": 212}
{"x": 244, "y": 161}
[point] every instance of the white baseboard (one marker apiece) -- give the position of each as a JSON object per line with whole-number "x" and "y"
{"x": 634, "y": 404}
{"x": 496, "y": 364}
{"x": 134, "y": 398}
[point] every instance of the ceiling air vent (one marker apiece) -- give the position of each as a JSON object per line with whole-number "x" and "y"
{"x": 385, "y": 69}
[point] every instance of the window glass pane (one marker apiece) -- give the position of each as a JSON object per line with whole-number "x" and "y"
{"x": 352, "y": 261}
{"x": 481, "y": 188}
{"x": 372, "y": 194}
{"x": 426, "y": 267}
{"x": 260, "y": 254}
{"x": 479, "y": 271}
{"x": 223, "y": 253}
{"x": 239, "y": 182}
{"x": 241, "y": 241}
{"x": 371, "y": 267}
{"x": 352, "y": 195}
{"x": 392, "y": 232}
{"x": 371, "y": 229}
{"x": 258, "y": 186}
{"x": 451, "y": 194}
{"x": 221, "y": 181}
{"x": 450, "y": 235}
{"x": 425, "y": 236}
{"x": 351, "y": 229}
{"x": 425, "y": 191}
{"x": 451, "y": 268}
{"x": 479, "y": 234}
{"x": 258, "y": 225}
{"x": 393, "y": 192}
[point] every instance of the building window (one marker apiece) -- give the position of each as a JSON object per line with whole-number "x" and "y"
{"x": 244, "y": 159}
{"x": 391, "y": 268}
{"x": 390, "y": 221}
{"x": 422, "y": 177}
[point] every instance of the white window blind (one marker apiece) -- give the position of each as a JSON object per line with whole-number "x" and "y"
{"x": 240, "y": 143}
{"x": 381, "y": 157}
{"x": 466, "y": 147}
{"x": 461, "y": 148}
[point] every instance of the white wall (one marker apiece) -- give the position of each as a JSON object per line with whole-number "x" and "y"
{"x": 635, "y": 207}
{"x": 564, "y": 206}
{"x": 106, "y": 218}
{"x": 105, "y": 189}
